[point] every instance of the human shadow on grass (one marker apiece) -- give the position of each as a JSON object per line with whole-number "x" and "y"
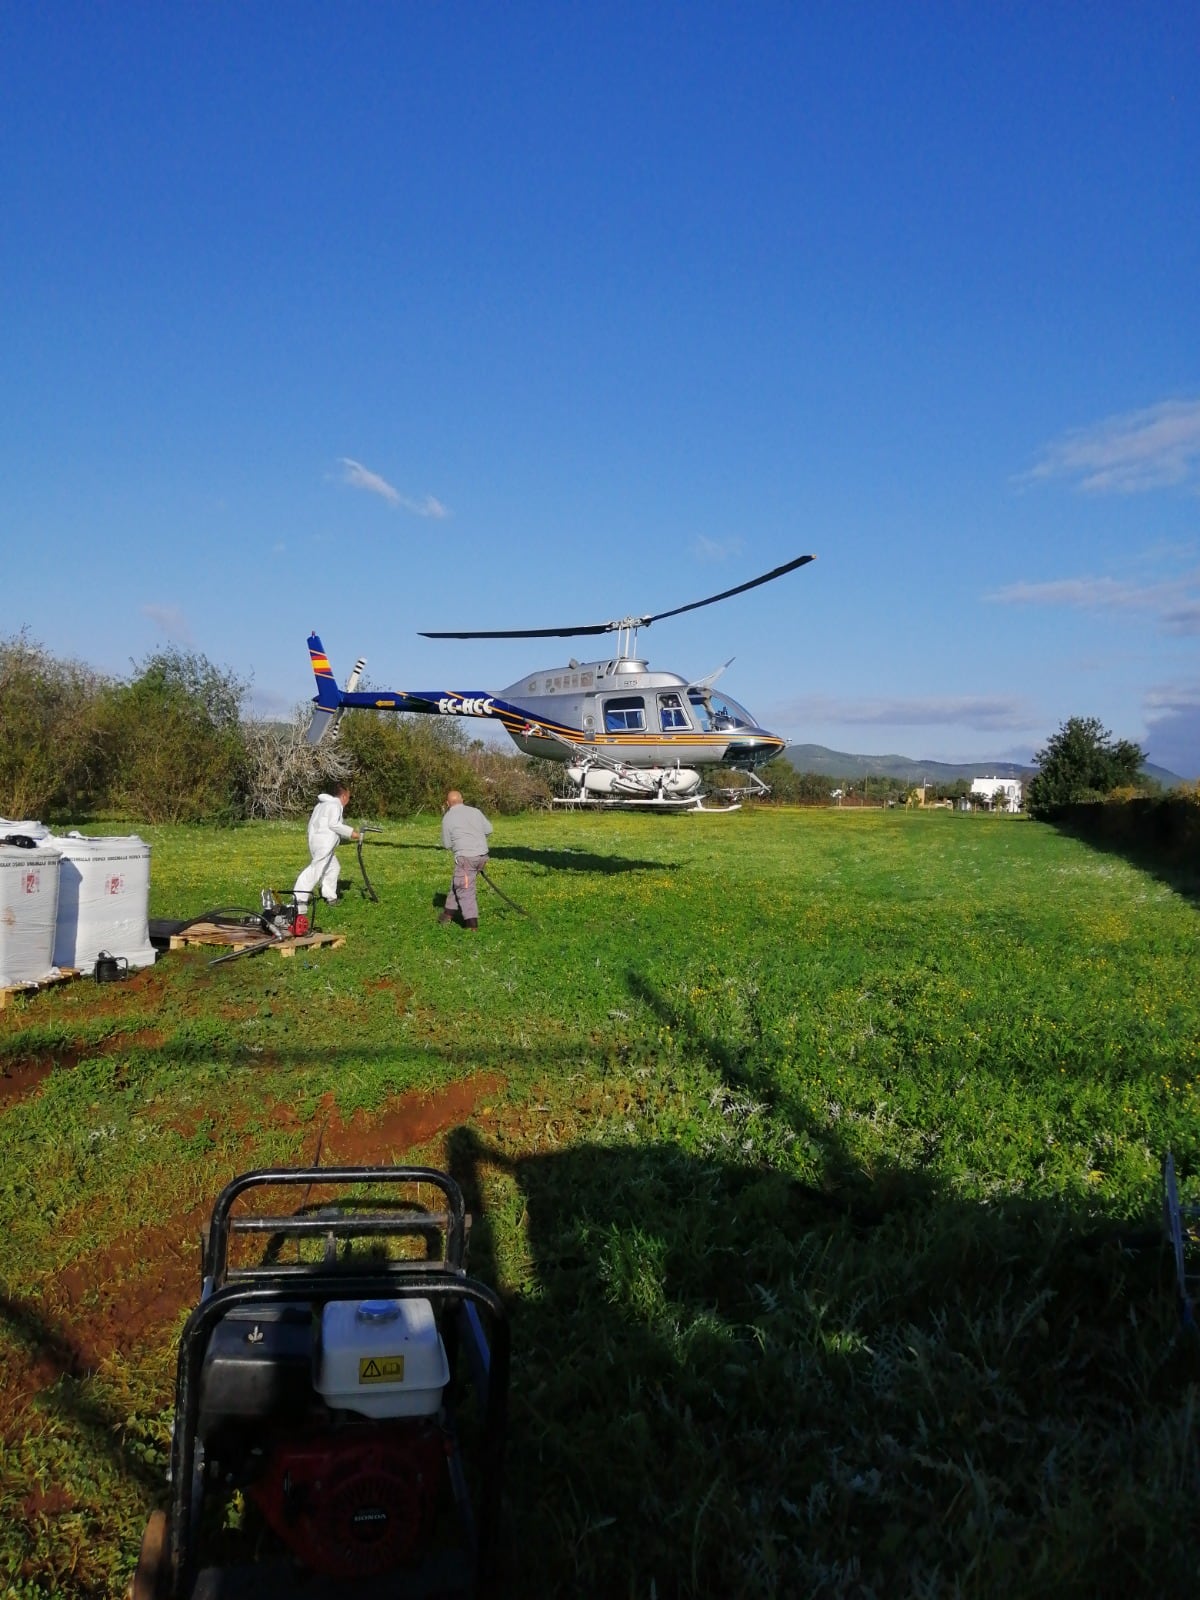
{"x": 730, "y": 1382}
{"x": 726, "y": 1383}
{"x": 745, "y": 1065}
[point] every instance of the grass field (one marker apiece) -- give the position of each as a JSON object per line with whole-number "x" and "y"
{"x": 817, "y": 1154}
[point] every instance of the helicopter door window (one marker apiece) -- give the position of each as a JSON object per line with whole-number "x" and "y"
{"x": 629, "y": 712}
{"x": 671, "y": 713}
{"x": 700, "y": 709}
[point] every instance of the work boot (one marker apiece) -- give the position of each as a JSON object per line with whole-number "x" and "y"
{"x": 446, "y": 916}
{"x": 472, "y": 923}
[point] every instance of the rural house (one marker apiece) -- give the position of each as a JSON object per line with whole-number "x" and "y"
{"x": 1002, "y": 792}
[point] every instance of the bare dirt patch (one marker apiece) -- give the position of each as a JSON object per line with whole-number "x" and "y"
{"x": 401, "y": 993}
{"x": 407, "y": 1122}
{"x": 21, "y": 1078}
{"x": 122, "y": 1297}
{"x": 46, "y": 1502}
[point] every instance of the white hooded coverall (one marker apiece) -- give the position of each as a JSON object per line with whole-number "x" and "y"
{"x": 326, "y": 830}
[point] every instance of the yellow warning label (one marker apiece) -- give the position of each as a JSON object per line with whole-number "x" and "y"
{"x": 381, "y": 1369}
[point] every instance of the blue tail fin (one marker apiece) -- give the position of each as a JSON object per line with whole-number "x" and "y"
{"x": 327, "y": 689}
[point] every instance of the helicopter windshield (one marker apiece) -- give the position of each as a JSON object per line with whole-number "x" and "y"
{"x": 716, "y": 713}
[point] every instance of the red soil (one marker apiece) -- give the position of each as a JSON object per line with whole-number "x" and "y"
{"x": 128, "y": 1296}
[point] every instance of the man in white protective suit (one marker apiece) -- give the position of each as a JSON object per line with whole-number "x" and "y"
{"x": 326, "y": 830}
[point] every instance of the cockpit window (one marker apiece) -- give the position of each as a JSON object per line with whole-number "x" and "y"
{"x": 624, "y": 714}
{"x": 723, "y": 714}
{"x": 728, "y": 713}
{"x": 671, "y": 713}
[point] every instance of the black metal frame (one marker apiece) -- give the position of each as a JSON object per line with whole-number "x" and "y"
{"x": 443, "y": 1282}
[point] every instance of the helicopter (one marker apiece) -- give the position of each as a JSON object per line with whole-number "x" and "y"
{"x": 627, "y": 736}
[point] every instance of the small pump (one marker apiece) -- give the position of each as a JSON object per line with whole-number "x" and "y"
{"x": 283, "y": 915}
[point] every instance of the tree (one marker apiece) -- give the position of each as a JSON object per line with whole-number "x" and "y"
{"x": 783, "y": 780}
{"x": 176, "y": 742}
{"x": 1081, "y": 762}
{"x": 404, "y": 764}
{"x": 52, "y": 756}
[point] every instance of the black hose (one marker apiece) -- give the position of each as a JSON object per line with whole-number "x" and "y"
{"x": 368, "y": 886}
{"x": 230, "y": 916}
{"x": 244, "y": 950}
{"x": 502, "y": 894}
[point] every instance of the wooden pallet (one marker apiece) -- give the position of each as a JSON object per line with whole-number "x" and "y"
{"x": 311, "y": 941}
{"x": 65, "y": 975}
{"x": 208, "y": 933}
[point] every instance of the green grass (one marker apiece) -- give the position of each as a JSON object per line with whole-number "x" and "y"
{"x": 820, "y": 1171}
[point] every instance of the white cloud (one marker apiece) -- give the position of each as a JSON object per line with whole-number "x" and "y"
{"x": 360, "y": 477}
{"x": 982, "y": 712}
{"x": 428, "y": 507}
{"x": 1157, "y": 448}
{"x": 706, "y": 549}
{"x": 1085, "y": 594}
{"x": 171, "y": 621}
{"x": 1174, "y": 604}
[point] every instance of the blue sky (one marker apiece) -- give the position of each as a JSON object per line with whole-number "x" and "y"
{"x": 379, "y": 318}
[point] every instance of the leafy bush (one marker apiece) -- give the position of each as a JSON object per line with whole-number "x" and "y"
{"x": 404, "y": 764}
{"x": 175, "y": 741}
{"x": 1156, "y": 828}
{"x": 507, "y": 784}
{"x": 52, "y": 752}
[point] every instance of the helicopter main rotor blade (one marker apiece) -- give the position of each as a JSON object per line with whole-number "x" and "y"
{"x": 767, "y": 577}
{"x": 527, "y": 633}
{"x": 625, "y": 622}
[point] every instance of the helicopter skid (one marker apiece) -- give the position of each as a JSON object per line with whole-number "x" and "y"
{"x": 612, "y": 802}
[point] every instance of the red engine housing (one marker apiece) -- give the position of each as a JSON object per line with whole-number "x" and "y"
{"x": 357, "y": 1501}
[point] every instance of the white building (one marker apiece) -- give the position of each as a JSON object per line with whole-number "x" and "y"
{"x": 1002, "y": 792}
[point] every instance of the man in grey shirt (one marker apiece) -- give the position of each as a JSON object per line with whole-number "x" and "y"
{"x": 465, "y": 832}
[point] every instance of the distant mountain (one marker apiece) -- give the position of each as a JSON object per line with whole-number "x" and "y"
{"x": 839, "y": 764}
{"x": 1169, "y": 780}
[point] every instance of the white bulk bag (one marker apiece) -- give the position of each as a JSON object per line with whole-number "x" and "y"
{"x": 29, "y": 882}
{"x": 103, "y": 901}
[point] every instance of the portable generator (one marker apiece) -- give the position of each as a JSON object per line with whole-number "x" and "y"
{"x": 340, "y": 1397}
